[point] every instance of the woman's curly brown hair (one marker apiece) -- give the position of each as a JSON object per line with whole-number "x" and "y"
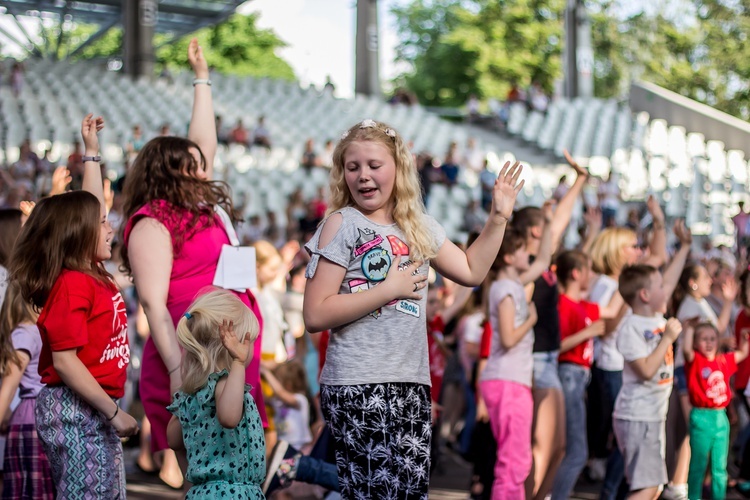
{"x": 165, "y": 170}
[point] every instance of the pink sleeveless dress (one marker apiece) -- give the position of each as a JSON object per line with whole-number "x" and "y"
{"x": 193, "y": 269}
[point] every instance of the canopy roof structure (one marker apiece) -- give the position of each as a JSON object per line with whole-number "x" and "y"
{"x": 177, "y": 17}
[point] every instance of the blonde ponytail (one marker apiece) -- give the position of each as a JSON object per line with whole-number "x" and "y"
{"x": 198, "y": 334}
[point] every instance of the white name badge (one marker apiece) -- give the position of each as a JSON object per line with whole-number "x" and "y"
{"x": 236, "y": 268}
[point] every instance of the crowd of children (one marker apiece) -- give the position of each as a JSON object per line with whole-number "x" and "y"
{"x": 357, "y": 363}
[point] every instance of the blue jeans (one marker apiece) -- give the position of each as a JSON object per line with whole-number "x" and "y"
{"x": 320, "y": 466}
{"x": 574, "y": 379}
{"x": 315, "y": 471}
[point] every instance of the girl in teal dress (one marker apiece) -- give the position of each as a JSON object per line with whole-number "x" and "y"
{"x": 214, "y": 417}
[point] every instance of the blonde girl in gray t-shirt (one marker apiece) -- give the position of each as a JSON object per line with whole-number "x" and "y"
{"x": 375, "y": 383}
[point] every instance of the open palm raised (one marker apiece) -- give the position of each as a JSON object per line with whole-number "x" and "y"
{"x": 506, "y": 190}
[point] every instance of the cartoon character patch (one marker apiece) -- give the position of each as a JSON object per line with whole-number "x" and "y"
{"x": 367, "y": 241}
{"x": 375, "y": 264}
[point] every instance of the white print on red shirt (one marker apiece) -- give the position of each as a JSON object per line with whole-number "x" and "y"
{"x": 716, "y": 389}
{"x": 588, "y": 350}
{"x": 118, "y": 346}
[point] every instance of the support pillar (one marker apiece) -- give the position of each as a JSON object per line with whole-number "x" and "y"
{"x": 367, "y": 76}
{"x": 139, "y": 23}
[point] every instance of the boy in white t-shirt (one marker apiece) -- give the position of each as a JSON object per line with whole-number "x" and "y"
{"x": 645, "y": 340}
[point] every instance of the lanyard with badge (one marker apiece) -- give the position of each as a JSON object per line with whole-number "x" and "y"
{"x": 236, "y": 267}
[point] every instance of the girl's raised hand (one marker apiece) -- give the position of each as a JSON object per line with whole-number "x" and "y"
{"x": 579, "y": 169}
{"x": 89, "y": 128}
{"x": 682, "y": 233}
{"x": 653, "y": 207}
{"x": 729, "y": 290}
{"x": 506, "y": 190}
{"x": 196, "y": 59}
{"x": 404, "y": 279}
{"x": 60, "y": 180}
{"x": 240, "y": 351}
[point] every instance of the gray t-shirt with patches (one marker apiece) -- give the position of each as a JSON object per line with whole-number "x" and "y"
{"x": 389, "y": 344}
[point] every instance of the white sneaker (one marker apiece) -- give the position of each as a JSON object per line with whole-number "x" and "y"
{"x": 597, "y": 469}
{"x": 675, "y": 492}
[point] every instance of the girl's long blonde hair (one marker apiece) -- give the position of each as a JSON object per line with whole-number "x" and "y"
{"x": 408, "y": 209}
{"x": 198, "y": 334}
{"x": 15, "y": 310}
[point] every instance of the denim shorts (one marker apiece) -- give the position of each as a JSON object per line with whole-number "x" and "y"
{"x": 545, "y": 370}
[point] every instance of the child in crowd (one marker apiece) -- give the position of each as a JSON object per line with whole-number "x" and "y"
{"x": 57, "y": 265}
{"x": 291, "y": 406}
{"x": 26, "y": 471}
{"x": 369, "y": 289}
{"x": 645, "y": 341}
{"x": 268, "y": 265}
{"x": 708, "y": 372}
{"x": 506, "y": 375}
{"x": 690, "y": 301}
{"x": 580, "y": 322}
{"x": 214, "y": 416}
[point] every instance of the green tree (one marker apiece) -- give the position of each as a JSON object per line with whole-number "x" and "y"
{"x": 236, "y": 46}
{"x": 458, "y": 47}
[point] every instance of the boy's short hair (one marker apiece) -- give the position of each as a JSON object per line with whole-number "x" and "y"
{"x": 633, "y": 279}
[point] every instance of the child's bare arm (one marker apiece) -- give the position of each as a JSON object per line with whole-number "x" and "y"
{"x": 230, "y": 396}
{"x": 286, "y": 397}
{"x": 11, "y": 381}
{"x": 595, "y": 329}
{"x": 614, "y": 309}
{"x": 742, "y": 353}
{"x": 593, "y": 220}
{"x": 674, "y": 269}
{"x": 92, "y": 173}
{"x": 510, "y": 335}
{"x": 658, "y": 247}
{"x": 564, "y": 210}
{"x": 460, "y": 297}
{"x": 174, "y": 434}
{"x": 647, "y": 367}
{"x": 544, "y": 257}
{"x": 470, "y": 268}
{"x": 230, "y": 391}
{"x": 688, "y": 330}
{"x": 482, "y": 414}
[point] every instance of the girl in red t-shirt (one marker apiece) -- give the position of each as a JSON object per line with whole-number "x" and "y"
{"x": 57, "y": 264}
{"x": 580, "y": 322}
{"x": 708, "y": 372}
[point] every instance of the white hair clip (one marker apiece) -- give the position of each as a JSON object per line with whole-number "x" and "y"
{"x": 390, "y": 133}
{"x": 368, "y": 123}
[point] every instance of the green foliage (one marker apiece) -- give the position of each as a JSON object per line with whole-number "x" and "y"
{"x": 459, "y": 47}
{"x": 236, "y": 46}
{"x": 697, "y": 48}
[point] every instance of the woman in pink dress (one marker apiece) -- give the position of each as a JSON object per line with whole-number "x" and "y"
{"x": 173, "y": 238}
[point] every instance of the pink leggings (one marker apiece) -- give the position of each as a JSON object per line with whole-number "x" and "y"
{"x": 511, "y": 409}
